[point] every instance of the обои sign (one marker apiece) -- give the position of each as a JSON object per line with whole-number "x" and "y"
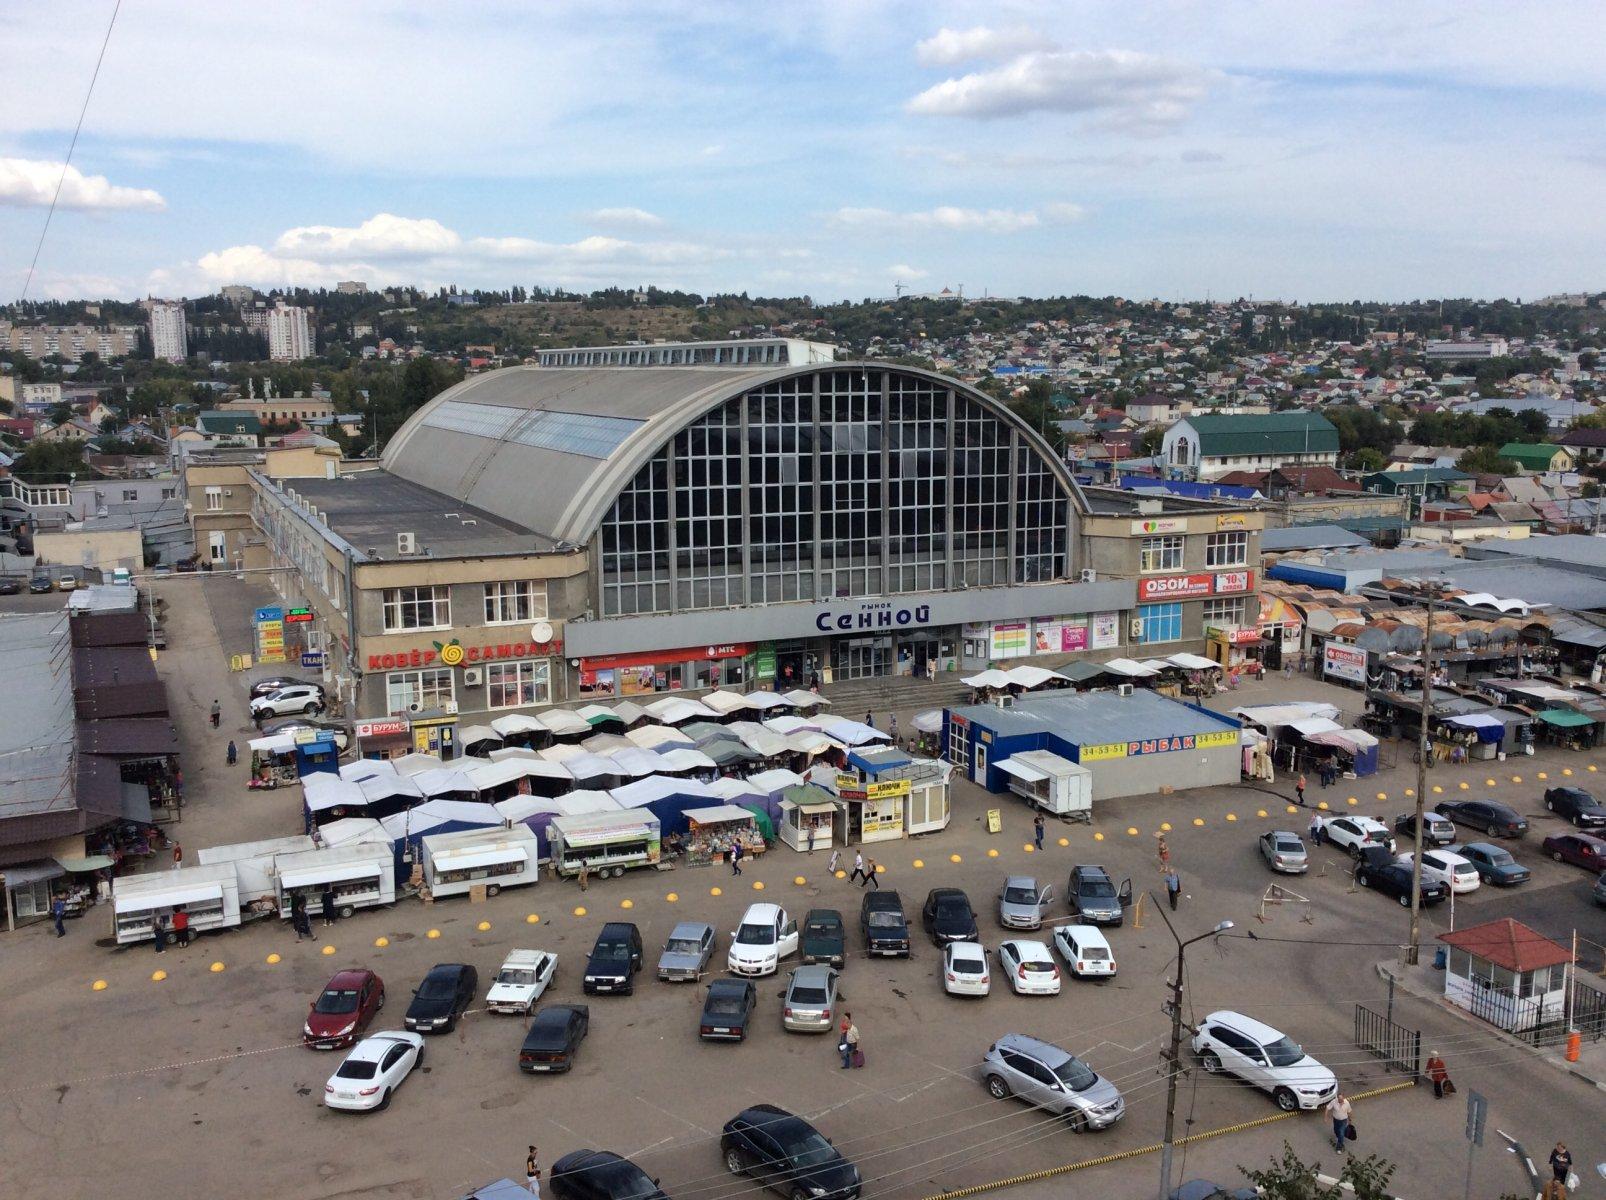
{"x": 872, "y": 614}
{"x": 1190, "y": 587}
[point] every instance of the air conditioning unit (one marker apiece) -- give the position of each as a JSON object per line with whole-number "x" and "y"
{"x": 1134, "y": 628}
{"x": 406, "y": 543}
{"x": 1123, "y": 689}
{"x": 1089, "y": 575}
{"x": 473, "y": 677}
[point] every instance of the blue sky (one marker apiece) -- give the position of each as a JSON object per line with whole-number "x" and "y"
{"x": 1274, "y": 149}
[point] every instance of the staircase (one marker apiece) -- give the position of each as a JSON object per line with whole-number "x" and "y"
{"x": 894, "y": 693}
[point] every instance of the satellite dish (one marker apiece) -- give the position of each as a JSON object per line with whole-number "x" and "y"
{"x": 541, "y": 631}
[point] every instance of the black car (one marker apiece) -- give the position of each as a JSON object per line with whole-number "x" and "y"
{"x": 1577, "y": 805}
{"x": 726, "y": 1011}
{"x": 41, "y": 583}
{"x": 948, "y": 917}
{"x": 787, "y": 1154}
{"x": 600, "y": 1175}
{"x": 272, "y": 683}
{"x": 555, "y": 1035}
{"x": 1394, "y": 879}
{"x": 10, "y": 585}
{"x": 615, "y": 959}
{"x": 447, "y": 990}
{"x": 824, "y": 937}
{"x": 1494, "y": 818}
{"x": 1092, "y": 895}
{"x": 885, "y": 928}
{"x": 1436, "y": 830}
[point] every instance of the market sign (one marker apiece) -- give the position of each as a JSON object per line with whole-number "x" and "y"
{"x": 1232, "y": 521}
{"x": 1234, "y": 581}
{"x": 1191, "y": 587}
{"x": 764, "y": 661}
{"x": 1344, "y": 662}
{"x": 1161, "y": 525}
{"x": 383, "y": 727}
{"x": 1234, "y": 637}
{"x": 1163, "y": 745}
{"x": 269, "y": 635}
{"x": 1208, "y": 741}
{"x": 1101, "y": 753}
{"x": 455, "y": 654}
{"x": 296, "y": 615}
{"x": 872, "y": 614}
{"x": 886, "y": 791}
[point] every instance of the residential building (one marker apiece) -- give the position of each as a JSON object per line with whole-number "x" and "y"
{"x": 290, "y": 334}
{"x": 1468, "y": 351}
{"x": 352, "y": 287}
{"x": 38, "y": 397}
{"x": 283, "y": 410}
{"x": 1537, "y": 458}
{"x": 237, "y": 294}
{"x": 169, "y": 338}
{"x": 219, "y": 496}
{"x": 1419, "y": 485}
{"x": 1209, "y": 446}
{"x": 1585, "y": 445}
{"x": 71, "y": 342}
{"x": 230, "y": 428}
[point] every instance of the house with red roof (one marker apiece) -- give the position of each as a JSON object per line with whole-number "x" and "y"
{"x": 1506, "y": 973}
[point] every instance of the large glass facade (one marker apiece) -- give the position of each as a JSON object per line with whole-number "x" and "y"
{"x": 845, "y": 483}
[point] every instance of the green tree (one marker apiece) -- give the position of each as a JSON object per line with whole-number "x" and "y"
{"x": 1485, "y": 460}
{"x": 1288, "y": 1177}
{"x": 50, "y": 462}
{"x": 1368, "y": 459}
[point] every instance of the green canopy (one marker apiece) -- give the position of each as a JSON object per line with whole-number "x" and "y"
{"x": 79, "y": 866}
{"x": 762, "y": 820}
{"x": 1565, "y": 718}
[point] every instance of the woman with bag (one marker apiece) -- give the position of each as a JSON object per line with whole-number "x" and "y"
{"x": 1440, "y": 1075}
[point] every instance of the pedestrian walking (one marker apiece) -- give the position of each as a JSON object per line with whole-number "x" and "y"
{"x": 1338, "y": 1110}
{"x": 584, "y": 874}
{"x": 736, "y": 858}
{"x": 1440, "y": 1075}
{"x": 233, "y": 753}
{"x": 931, "y": 670}
{"x": 892, "y": 726}
{"x": 858, "y": 868}
{"x": 1316, "y": 829}
{"x": 178, "y": 856}
{"x": 327, "y": 900}
{"x": 299, "y": 919}
{"x": 181, "y": 926}
{"x": 1173, "y": 888}
{"x": 848, "y": 1045}
{"x": 1162, "y": 851}
{"x": 1288, "y": 669}
{"x": 1299, "y": 787}
{"x": 58, "y": 910}
{"x": 813, "y": 829}
{"x": 869, "y": 719}
{"x": 1037, "y": 830}
{"x": 159, "y": 930}
{"x": 532, "y": 1172}
{"x": 217, "y": 714}
{"x": 1561, "y": 1166}
{"x": 836, "y": 859}
{"x": 870, "y": 876}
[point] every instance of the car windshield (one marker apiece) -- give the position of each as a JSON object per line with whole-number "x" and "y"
{"x": 808, "y": 995}
{"x": 337, "y": 1000}
{"x": 683, "y": 946}
{"x": 1076, "y": 1074}
{"x": 1285, "y": 1052}
{"x": 823, "y": 929}
{"x": 1288, "y": 846}
{"x": 1098, "y": 889}
{"x": 1020, "y": 895}
{"x": 969, "y": 966}
{"x": 882, "y": 919}
{"x": 519, "y": 976}
{"x": 1037, "y": 965}
{"x": 611, "y": 951}
{"x": 809, "y": 1149}
{"x": 357, "y": 1070}
{"x": 953, "y": 906}
{"x": 437, "y": 987}
{"x": 725, "y": 1005}
{"x": 756, "y": 935}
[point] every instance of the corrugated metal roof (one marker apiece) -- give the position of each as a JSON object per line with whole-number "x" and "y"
{"x": 1097, "y": 718}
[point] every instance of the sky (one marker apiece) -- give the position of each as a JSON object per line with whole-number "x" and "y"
{"x": 844, "y": 149}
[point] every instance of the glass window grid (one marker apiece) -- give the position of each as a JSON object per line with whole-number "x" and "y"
{"x": 432, "y": 687}
{"x": 518, "y": 684}
{"x": 1222, "y": 613}
{"x": 1227, "y": 549}
{"x": 1161, "y": 622}
{"x": 418, "y": 608}
{"x": 917, "y": 485}
{"x": 1160, "y": 554}
{"x": 850, "y": 484}
{"x": 781, "y": 492}
{"x": 515, "y": 600}
{"x": 708, "y": 510}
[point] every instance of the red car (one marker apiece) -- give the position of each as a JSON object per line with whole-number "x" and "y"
{"x": 1580, "y": 849}
{"x": 343, "y": 1009}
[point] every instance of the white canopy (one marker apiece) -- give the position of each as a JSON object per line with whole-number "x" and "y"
{"x": 324, "y": 791}
{"x": 774, "y": 781}
{"x": 672, "y": 710}
{"x": 657, "y": 787}
{"x": 1129, "y": 668}
{"x": 929, "y": 721}
{"x": 592, "y": 714}
{"x": 387, "y": 787}
{"x": 735, "y": 789}
{"x": 765, "y": 743}
{"x": 591, "y": 766}
{"x": 720, "y": 814}
{"x": 475, "y": 734}
{"x": 1273, "y": 716}
{"x": 811, "y": 742}
{"x": 506, "y": 752}
{"x": 274, "y": 743}
{"x": 1021, "y": 770}
{"x": 991, "y": 678}
{"x": 764, "y": 701}
{"x": 352, "y": 830}
{"x": 637, "y": 763}
{"x": 656, "y": 737}
{"x": 629, "y": 711}
{"x": 685, "y": 758}
{"x": 788, "y": 723}
{"x": 1193, "y": 662}
{"x": 798, "y": 698}
{"x": 1310, "y": 725}
{"x": 725, "y": 703}
{"x": 853, "y": 733}
{"x": 433, "y": 813}
{"x": 562, "y": 722}
{"x": 1032, "y": 677}
{"x": 516, "y": 723}
{"x": 485, "y": 776}
{"x": 607, "y": 743}
{"x": 366, "y": 768}
{"x": 563, "y": 752}
{"x": 416, "y": 763}
{"x": 443, "y": 781}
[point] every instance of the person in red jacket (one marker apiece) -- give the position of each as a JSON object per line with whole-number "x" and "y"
{"x": 1439, "y": 1074}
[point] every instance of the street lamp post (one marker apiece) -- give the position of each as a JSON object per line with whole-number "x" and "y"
{"x": 1173, "y": 1057}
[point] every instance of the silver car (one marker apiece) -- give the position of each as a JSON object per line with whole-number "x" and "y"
{"x": 1284, "y": 852}
{"x": 808, "y": 1004}
{"x": 687, "y": 952}
{"x": 1021, "y": 905}
{"x": 1050, "y": 1078}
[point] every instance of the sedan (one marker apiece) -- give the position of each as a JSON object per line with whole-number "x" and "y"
{"x": 554, "y": 1037}
{"x": 824, "y": 938}
{"x": 601, "y": 1175}
{"x": 10, "y": 585}
{"x": 1577, "y": 806}
{"x": 347, "y": 1003}
{"x": 1436, "y": 830}
{"x": 1392, "y": 879}
{"x": 1205, "y": 1189}
{"x": 292, "y": 724}
{"x": 40, "y": 583}
{"x": 1284, "y": 852}
{"x": 1029, "y": 967}
{"x": 1494, "y": 818}
{"x": 1493, "y": 864}
{"x": 302, "y": 698}
{"x": 726, "y": 1011}
{"x": 447, "y": 990}
{"x": 1580, "y": 849}
{"x": 788, "y": 1154}
{"x": 964, "y": 969}
{"x": 809, "y": 1000}
{"x": 686, "y": 953}
{"x": 948, "y": 917}
{"x": 373, "y": 1070}
{"x": 1021, "y": 904}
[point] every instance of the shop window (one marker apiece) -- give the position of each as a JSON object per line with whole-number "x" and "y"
{"x": 1227, "y": 549}
{"x": 418, "y": 608}
{"x": 1161, "y": 622}
{"x": 1160, "y": 554}
{"x": 518, "y": 684}
{"x": 959, "y": 749}
{"x": 411, "y": 691}
{"x": 514, "y": 602}
{"x": 1222, "y": 613}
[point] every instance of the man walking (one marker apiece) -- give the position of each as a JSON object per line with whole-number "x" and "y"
{"x": 217, "y": 714}
{"x": 870, "y": 876}
{"x": 532, "y": 1172}
{"x": 858, "y": 868}
{"x": 1037, "y": 830}
{"x": 584, "y": 874}
{"x": 849, "y": 1044}
{"x": 869, "y": 718}
{"x": 1173, "y": 888}
{"x": 1315, "y": 829}
{"x": 1299, "y": 788}
{"x": 327, "y": 901}
{"x": 1561, "y": 1166}
{"x": 1338, "y": 1109}
{"x": 58, "y": 910}
{"x": 892, "y": 726}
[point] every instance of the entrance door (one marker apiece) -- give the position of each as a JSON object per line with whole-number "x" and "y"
{"x": 861, "y": 658}
{"x": 978, "y": 770}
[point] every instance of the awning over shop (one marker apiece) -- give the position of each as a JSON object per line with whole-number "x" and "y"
{"x": 798, "y": 698}
{"x": 1032, "y": 677}
{"x": 480, "y": 858}
{"x": 137, "y": 803}
{"x": 192, "y": 893}
{"x": 722, "y": 814}
{"x": 1021, "y": 771}
{"x": 564, "y": 723}
{"x": 275, "y": 743}
{"x": 1565, "y": 718}
{"x": 82, "y": 866}
{"x": 764, "y": 701}
{"x": 515, "y": 724}
{"x": 475, "y": 734}
{"x": 40, "y": 871}
{"x": 1081, "y": 672}
{"x": 324, "y": 791}
{"x": 655, "y": 737}
{"x": 726, "y": 703}
{"x": 1352, "y": 741}
{"x": 684, "y": 758}
{"x": 992, "y": 678}
{"x": 929, "y": 721}
{"x": 1488, "y": 727}
{"x": 329, "y": 873}
{"x": 1310, "y": 726}
{"x": 1129, "y": 668}
{"x": 1193, "y": 662}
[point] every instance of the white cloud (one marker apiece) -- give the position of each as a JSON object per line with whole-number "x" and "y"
{"x": 380, "y": 236}
{"x": 1063, "y": 212}
{"x": 1123, "y": 88}
{"x": 943, "y": 217}
{"x": 31, "y": 182}
{"x": 949, "y": 46}
{"x": 638, "y": 218}
{"x": 905, "y": 272}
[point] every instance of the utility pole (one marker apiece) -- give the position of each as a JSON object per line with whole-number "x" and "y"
{"x": 1173, "y": 1061}
{"x": 1423, "y": 748}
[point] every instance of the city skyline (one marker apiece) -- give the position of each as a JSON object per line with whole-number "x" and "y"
{"x": 837, "y": 150}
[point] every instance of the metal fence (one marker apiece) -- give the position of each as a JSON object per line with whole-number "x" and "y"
{"x": 1399, "y": 1048}
{"x": 1586, "y": 1008}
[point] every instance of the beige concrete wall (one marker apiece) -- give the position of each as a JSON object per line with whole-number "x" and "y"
{"x": 100, "y": 548}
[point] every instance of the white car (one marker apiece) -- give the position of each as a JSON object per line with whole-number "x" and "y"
{"x": 302, "y": 698}
{"x": 1442, "y": 866}
{"x": 964, "y": 969}
{"x": 373, "y": 1070}
{"x": 1354, "y": 834}
{"x": 1258, "y": 1054}
{"x": 765, "y": 936}
{"x": 521, "y": 981}
{"x": 1029, "y": 967}
{"x": 1086, "y": 951}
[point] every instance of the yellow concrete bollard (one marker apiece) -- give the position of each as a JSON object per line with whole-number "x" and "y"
{"x": 99, "y": 985}
{"x": 158, "y": 975}
{"x": 216, "y": 968}
{"x": 483, "y": 927}
{"x": 381, "y": 941}
{"x": 328, "y": 950}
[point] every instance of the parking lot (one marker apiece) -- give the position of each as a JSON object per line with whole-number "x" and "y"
{"x": 197, "y": 1084}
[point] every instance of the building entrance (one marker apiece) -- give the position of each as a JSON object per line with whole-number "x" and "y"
{"x": 861, "y": 658}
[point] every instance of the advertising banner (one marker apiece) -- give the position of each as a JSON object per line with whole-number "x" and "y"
{"x": 1175, "y": 587}
{"x": 1059, "y": 637}
{"x": 1010, "y": 641}
{"x": 1344, "y": 662}
{"x": 1106, "y": 631}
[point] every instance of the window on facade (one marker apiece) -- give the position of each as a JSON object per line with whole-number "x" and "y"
{"x": 518, "y": 684}
{"x": 217, "y": 547}
{"x": 1227, "y": 549}
{"x": 409, "y": 690}
{"x": 959, "y": 749}
{"x": 168, "y": 493}
{"x": 1222, "y": 613}
{"x": 129, "y": 495}
{"x": 1161, "y": 622}
{"x": 514, "y": 601}
{"x": 1160, "y": 554}
{"x": 214, "y": 499}
{"x": 418, "y": 608}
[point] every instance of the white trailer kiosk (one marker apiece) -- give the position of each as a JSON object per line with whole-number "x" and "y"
{"x": 362, "y": 875}
{"x": 1054, "y": 784}
{"x": 455, "y": 863}
{"x": 606, "y": 842}
{"x": 210, "y": 895}
{"x": 253, "y": 863}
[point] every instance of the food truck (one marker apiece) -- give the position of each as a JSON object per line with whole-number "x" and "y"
{"x": 1054, "y": 784}
{"x": 606, "y": 842}
{"x": 210, "y": 895}
{"x": 362, "y": 875}
{"x": 253, "y": 864}
{"x": 456, "y": 863}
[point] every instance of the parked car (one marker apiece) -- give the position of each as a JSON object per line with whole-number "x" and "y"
{"x": 825, "y": 937}
{"x": 726, "y": 1010}
{"x": 1576, "y": 805}
{"x": 1580, "y": 849}
{"x": 1265, "y": 1057}
{"x": 10, "y": 585}
{"x": 40, "y": 582}
{"x": 67, "y": 583}
{"x": 343, "y": 1009}
{"x": 885, "y": 928}
{"x": 948, "y": 917}
{"x": 964, "y": 969}
{"x": 1494, "y": 864}
{"x": 601, "y": 1175}
{"x": 1436, "y": 830}
{"x": 1284, "y": 852}
{"x": 614, "y": 961}
{"x": 277, "y": 683}
{"x": 686, "y": 953}
{"x": 1029, "y": 967}
{"x": 1086, "y": 951}
{"x": 521, "y": 981}
{"x": 1043, "y": 1075}
{"x": 1446, "y": 867}
{"x": 302, "y": 698}
{"x": 808, "y": 1004}
{"x": 1598, "y": 892}
{"x": 1393, "y": 879}
{"x": 554, "y": 1038}
{"x": 787, "y": 1154}
{"x": 373, "y": 1070}
{"x": 440, "y": 999}
{"x": 1354, "y": 834}
{"x": 1494, "y": 818}
{"x": 1092, "y": 895}
{"x": 1021, "y": 905}
{"x": 765, "y": 936}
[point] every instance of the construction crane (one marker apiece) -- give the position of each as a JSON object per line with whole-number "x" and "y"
{"x": 898, "y": 289}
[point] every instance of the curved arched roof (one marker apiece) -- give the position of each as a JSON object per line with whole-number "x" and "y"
{"x": 550, "y": 447}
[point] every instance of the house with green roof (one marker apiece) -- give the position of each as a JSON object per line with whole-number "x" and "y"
{"x": 1208, "y": 446}
{"x": 230, "y": 428}
{"x": 1537, "y": 458}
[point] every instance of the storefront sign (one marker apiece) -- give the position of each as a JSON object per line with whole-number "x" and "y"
{"x": 268, "y": 614}
{"x": 846, "y": 783}
{"x": 764, "y": 661}
{"x": 648, "y": 658}
{"x": 1233, "y": 637}
{"x": 872, "y": 614}
{"x": 1232, "y": 521}
{"x": 1010, "y": 640}
{"x": 1207, "y": 741}
{"x": 455, "y": 654}
{"x": 889, "y": 790}
{"x": 958, "y": 722}
{"x": 269, "y": 635}
{"x": 1344, "y": 662}
{"x": 295, "y": 616}
{"x": 1175, "y": 587}
{"x": 1106, "y": 631}
{"x": 995, "y": 820}
{"x": 1059, "y": 637}
{"x": 1161, "y": 525}
{"x": 383, "y": 727}
{"x": 1234, "y": 581}
{"x": 1100, "y": 753}
{"x": 312, "y": 660}
{"x": 888, "y": 818}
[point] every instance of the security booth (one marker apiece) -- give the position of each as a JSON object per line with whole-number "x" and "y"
{"x": 604, "y": 843}
{"x": 209, "y": 895}
{"x": 434, "y": 731}
{"x": 315, "y": 751}
{"x": 808, "y": 818}
{"x": 362, "y": 875}
{"x": 1507, "y": 974}
{"x": 456, "y": 863}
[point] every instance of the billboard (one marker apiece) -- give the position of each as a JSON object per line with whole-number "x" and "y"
{"x": 1344, "y": 662}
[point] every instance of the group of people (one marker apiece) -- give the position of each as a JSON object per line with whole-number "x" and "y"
{"x": 178, "y": 924}
{"x": 301, "y": 919}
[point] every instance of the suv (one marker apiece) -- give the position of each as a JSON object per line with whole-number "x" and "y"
{"x": 1091, "y": 894}
{"x": 765, "y": 936}
{"x": 1043, "y": 1075}
{"x": 788, "y": 1154}
{"x": 1355, "y": 834}
{"x": 1577, "y": 805}
{"x": 948, "y": 916}
{"x": 301, "y": 698}
{"x": 1436, "y": 830}
{"x": 614, "y": 960}
{"x": 601, "y": 1175}
{"x": 824, "y": 937}
{"x": 885, "y": 928}
{"x": 1258, "y": 1054}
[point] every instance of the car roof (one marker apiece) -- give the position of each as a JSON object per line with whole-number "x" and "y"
{"x": 350, "y": 977}
{"x": 975, "y": 947}
{"x": 761, "y": 912}
{"x": 887, "y": 899}
{"x": 440, "y": 969}
{"x": 1248, "y": 1026}
{"x": 618, "y": 929}
{"x": 813, "y": 974}
{"x": 690, "y": 929}
{"x": 1088, "y": 869}
{"x": 1048, "y": 1052}
{"x": 946, "y": 891}
{"x": 1090, "y": 934}
{"x": 716, "y": 986}
{"x": 771, "y": 1116}
{"x": 373, "y": 1047}
{"x": 822, "y": 914}
{"x": 1030, "y": 950}
{"x": 1280, "y": 833}
{"x": 1020, "y": 881}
